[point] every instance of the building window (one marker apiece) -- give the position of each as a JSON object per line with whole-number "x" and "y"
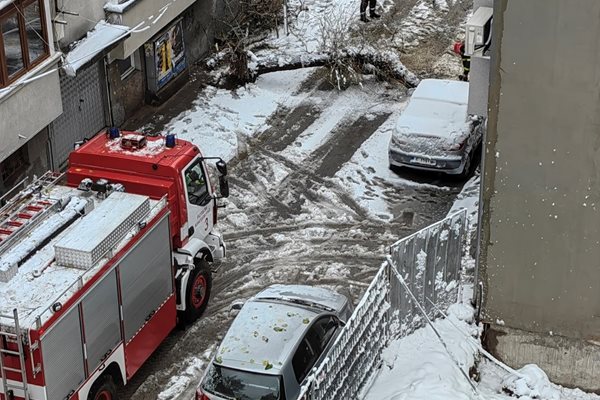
{"x": 23, "y": 42}
{"x": 12, "y": 45}
{"x": 126, "y": 66}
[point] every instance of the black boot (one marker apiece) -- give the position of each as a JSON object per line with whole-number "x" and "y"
{"x": 373, "y": 14}
{"x": 363, "y": 17}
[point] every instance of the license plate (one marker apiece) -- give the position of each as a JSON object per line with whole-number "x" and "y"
{"x": 424, "y": 161}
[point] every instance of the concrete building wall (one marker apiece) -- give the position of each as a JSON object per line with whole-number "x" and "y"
{"x": 540, "y": 239}
{"x": 127, "y": 94}
{"x": 482, "y": 3}
{"x": 479, "y": 80}
{"x": 28, "y": 109}
{"x": 141, "y": 11}
{"x": 90, "y": 13}
{"x": 199, "y": 28}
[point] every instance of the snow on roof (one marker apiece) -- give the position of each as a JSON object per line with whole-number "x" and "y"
{"x": 101, "y": 37}
{"x": 153, "y": 147}
{"x": 437, "y": 108}
{"x": 443, "y": 90}
{"x": 40, "y": 280}
{"x": 263, "y": 334}
{"x": 4, "y": 3}
{"x": 310, "y": 294}
{"x": 114, "y": 6}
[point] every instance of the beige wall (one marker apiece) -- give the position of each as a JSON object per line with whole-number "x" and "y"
{"x": 140, "y": 12}
{"x": 540, "y": 253}
{"x": 28, "y": 109}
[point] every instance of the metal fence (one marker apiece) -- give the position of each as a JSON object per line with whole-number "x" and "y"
{"x": 429, "y": 261}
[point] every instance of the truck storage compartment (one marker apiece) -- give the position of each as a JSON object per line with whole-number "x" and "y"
{"x": 146, "y": 278}
{"x": 102, "y": 327}
{"x": 63, "y": 369}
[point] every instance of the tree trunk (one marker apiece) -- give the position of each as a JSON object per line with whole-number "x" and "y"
{"x": 386, "y": 63}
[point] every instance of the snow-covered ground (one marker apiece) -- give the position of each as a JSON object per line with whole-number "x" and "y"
{"x": 418, "y": 367}
{"x": 313, "y": 199}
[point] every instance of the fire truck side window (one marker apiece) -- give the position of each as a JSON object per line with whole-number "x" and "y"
{"x": 196, "y": 185}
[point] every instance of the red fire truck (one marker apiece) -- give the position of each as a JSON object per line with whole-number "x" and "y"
{"x": 98, "y": 267}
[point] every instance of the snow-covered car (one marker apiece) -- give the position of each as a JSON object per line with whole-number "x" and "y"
{"x": 434, "y": 132}
{"x": 277, "y": 338}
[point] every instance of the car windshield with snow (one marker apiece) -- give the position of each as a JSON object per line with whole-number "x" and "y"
{"x": 278, "y": 337}
{"x": 435, "y": 132}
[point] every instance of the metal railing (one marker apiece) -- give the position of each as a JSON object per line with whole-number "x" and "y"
{"x": 429, "y": 261}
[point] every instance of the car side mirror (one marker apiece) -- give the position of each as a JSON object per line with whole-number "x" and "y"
{"x": 223, "y": 186}
{"x": 222, "y": 167}
{"x": 237, "y": 305}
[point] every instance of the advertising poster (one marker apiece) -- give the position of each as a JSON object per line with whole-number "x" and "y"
{"x": 169, "y": 53}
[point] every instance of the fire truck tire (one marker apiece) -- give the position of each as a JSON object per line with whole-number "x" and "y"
{"x": 103, "y": 389}
{"x": 197, "y": 292}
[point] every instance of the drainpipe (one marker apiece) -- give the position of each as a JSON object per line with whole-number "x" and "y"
{"x": 108, "y": 94}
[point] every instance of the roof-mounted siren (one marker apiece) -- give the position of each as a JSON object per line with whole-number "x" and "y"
{"x": 170, "y": 140}
{"x": 113, "y": 133}
{"x": 479, "y": 32}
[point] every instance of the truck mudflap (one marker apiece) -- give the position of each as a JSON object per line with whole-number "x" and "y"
{"x": 181, "y": 279}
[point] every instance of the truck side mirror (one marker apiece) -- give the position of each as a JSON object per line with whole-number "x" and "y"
{"x": 222, "y": 168}
{"x": 223, "y": 186}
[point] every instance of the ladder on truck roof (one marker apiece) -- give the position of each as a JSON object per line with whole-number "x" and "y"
{"x": 13, "y": 337}
{"x": 23, "y": 211}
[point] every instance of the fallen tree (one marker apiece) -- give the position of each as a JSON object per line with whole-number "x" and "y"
{"x": 386, "y": 64}
{"x": 346, "y": 52}
{"x": 246, "y": 67}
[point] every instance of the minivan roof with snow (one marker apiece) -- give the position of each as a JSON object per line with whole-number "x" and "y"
{"x": 263, "y": 336}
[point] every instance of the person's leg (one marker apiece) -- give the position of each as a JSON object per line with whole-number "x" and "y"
{"x": 363, "y": 10}
{"x": 372, "y": 5}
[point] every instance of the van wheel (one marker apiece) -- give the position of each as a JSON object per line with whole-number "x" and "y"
{"x": 197, "y": 292}
{"x": 103, "y": 389}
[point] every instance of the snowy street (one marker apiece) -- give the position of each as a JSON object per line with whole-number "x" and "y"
{"x": 299, "y": 200}
{"x": 312, "y": 201}
{"x": 312, "y": 197}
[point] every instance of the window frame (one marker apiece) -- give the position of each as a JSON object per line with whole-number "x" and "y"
{"x": 17, "y": 8}
{"x": 132, "y": 67}
{"x": 206, "y": 197}
{"x": 300, "y": 375}
{"x": 316, "y": 343}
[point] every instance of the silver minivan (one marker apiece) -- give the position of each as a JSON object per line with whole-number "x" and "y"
{"x": 277, "y": 338}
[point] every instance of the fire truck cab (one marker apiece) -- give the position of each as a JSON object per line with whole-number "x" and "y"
{"x": 96, "y": 271}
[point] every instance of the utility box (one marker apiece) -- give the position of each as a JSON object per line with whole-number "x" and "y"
{"x": 478, "y": 33}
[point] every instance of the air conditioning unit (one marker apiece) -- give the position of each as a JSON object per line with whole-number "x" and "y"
{"x": 478, "y": 30}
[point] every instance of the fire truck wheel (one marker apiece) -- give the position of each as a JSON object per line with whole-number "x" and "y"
{"x": 197, "y": 292}
{"x": 103, "y": 389}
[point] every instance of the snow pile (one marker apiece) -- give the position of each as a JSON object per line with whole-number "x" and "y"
{"x": 418, "y": 368}
{"x": 534, "y": 384}
{"x": 152, "y": 148}
{"x": 177, "y": 384}
{"x": 118, "y": 6}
